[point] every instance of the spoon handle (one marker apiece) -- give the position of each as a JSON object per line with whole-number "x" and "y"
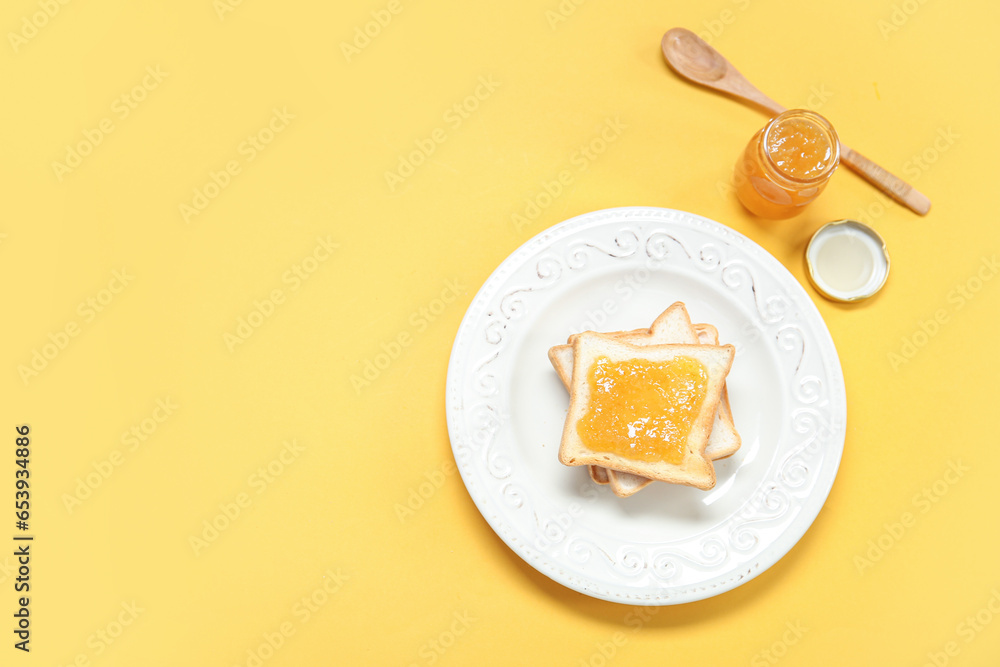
{"x": 892, "y": 185}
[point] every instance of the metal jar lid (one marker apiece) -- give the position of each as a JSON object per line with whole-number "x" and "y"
{"x": 847, "y": 261}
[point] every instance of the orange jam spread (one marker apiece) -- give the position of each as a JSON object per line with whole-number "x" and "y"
{"x": 787, "y": 164}
{"x": 641, "y": 409}
{"x": 799, "y": 148}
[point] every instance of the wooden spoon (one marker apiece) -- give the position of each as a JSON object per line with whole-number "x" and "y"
{"x": 696, "y": 61}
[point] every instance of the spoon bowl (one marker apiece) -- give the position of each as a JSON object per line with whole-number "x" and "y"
{"x": 693, "y": 59}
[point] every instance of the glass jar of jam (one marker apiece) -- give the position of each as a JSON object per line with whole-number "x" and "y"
{"x": 787, "y": 164}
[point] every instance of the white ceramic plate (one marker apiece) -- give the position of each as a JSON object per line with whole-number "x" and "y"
{"x": 618, "y": 269}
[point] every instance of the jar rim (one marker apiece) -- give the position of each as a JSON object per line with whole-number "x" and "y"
{"x": 818, "y": 120}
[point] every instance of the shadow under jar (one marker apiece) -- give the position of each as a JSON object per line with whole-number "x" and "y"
{"x": 787, "y": 164}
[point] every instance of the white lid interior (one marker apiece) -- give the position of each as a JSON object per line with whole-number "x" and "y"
{"x": 847, "y": 261}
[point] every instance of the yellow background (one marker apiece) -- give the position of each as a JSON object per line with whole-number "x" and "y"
{"x": 892, "y": 89}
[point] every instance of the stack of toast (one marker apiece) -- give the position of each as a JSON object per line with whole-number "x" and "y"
{"x": 649, "y": 404}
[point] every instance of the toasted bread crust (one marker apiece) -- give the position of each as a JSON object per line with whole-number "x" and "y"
{"x": 599, "y": 474}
